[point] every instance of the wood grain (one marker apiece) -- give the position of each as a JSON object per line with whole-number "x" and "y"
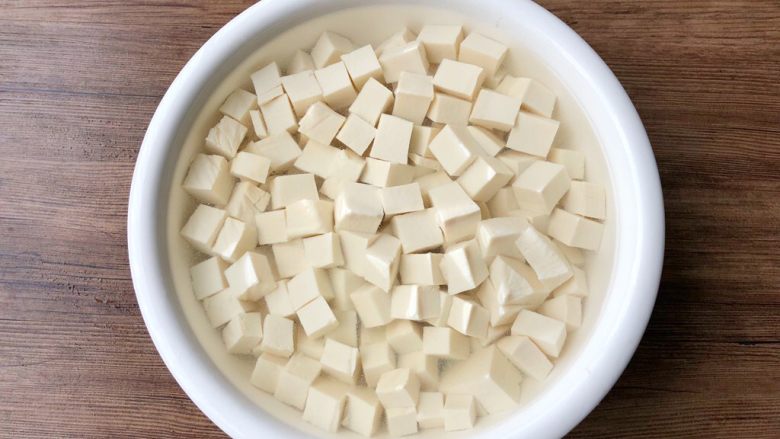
{"x": 80, "y": 80}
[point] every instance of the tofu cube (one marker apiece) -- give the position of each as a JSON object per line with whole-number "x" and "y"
{"x": 382, "y": 260}
{"x": 532, "y": 134}
{"x": 265, "y": 375}
{"x": 410, "y": 57}
{"x": 316, "y": 318}
{"x": 421, "y": 269}
{"x": 251, "y": 276}
{"x": 430, "y": 410}
{"x": 545, "y": 258}
{"x": 347, "y": 167}
{"x": 574, "y": 255}
{"x": 391, "y": 143}
{"x": 225, "y": 137}
{"x": 310, "y": 346}
{"x": 495, "y": 111}
{"x": 516, "y": 283}
{"x": 288, "y": 189}
{"x": 576, "y": 286}
{"x": 536, "y": 98}
{"x": 235, "y": 238}
{"x": 246, "y": 201}
{"x": 421, "y": 139}
{"x": 574, "y": 230}
{"x": 445, "y": 343}
{"x": 208, "y": 277}
{"x": 251, "y": 167}
{"x": 398, "y": 388}
{"x": 372, "y": 335}
{"x": 482, "y": 51}
{"x": 270, "y": 95}
{"x": 280, "y": 148}
{"x": 344, "y": 283}
{"x": 401, "y": 421}
{"x": 356, "y": 134}
{"x": 358, "y": 208}
{"x": 308, "y": 285}
{"x": 457, "y": 214}
{"x": 573, "y": 161}
{"x": 353, "y": 247}
{"x": 363, "y": 64}
{"x": 220, "y": 308}
{"x": 446, "y": 109}
{"x": 526, "y": 356}
{"x": 567, "y": 309}
{"x": 295, "y": 380}
{"x": 278, "y": 338}
{"x": 242, "y": 333}
{"x": 340, "y": 361}
{"x": 318, "y": 159}
{"x": 460, "y": 412}
{"x": 468, "y": 318}
{"x": 541, "y": 186}
{"x": 463, "y": 267}
{"x": 499, "y": 314}
{"x": 238, "y": 105}
{"x": 504, "y": 203}
{"x": 373, "y": 100}
{"x": 308, "y": 218}
{"x": 404, "y": 336}
{"x": 278, "y": 301}
{"x": 413, "y": 96}
{"x": 271, "y": 227}
{"x": 488, "y": 376}
{"x": 347, "y": 330}
{"x": 208, "y": 180}
{"x": 279, "y": 115}
{"x": 483, "y": 178}
{"x": 414, "y": 302}
{"x": 303, "y": 90}
{"x": 489, "y": 141}
{"x": 441, "y": 41}
{"x": 401, "y": 199}
{"x": 267, "y": 78}
{"x": 384, "y": 174}
{"x": 300, "y": 61}
{"x": 497, "y": 236}
{"x": 325, "y": 404}
{"x": 337, "y": 88}
{"x": 418, "y": 231}
{"x": 376, "y": 358}
{"x": 203, "y": 226}
{"x": 257, "y": 123}
{"x": 323, "y": 251}
{"x": 363, "y": 412}
{"x": 290, "y": 258}
{"x": 426, "y": 367}
{"x": 547, "y": 333}
{"x": 430, "y": 181}
{"x": 329, "y": 49}
{"x": 455, "y": 148}
{"x": 372, "y": 305}
{"x": 518, "y": 162}
{"x": 458, "y": 79}
{"x": 403, "y": 36}
{"x": 586, "y": 199}
{"x": 320, "y": 123}
{"x": 445, "y": 304}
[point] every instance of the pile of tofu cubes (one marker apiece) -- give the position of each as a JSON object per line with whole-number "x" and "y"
{"x": 390, "y": 232}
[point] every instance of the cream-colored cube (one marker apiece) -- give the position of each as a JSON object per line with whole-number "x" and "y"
{"x": 208, "y": 179}
{"x": 547, "y": 333}
{"x": 574, "y": 161}
{"x": 458, "y": 79}
{"x": 242, "y": 333}
{"x": 208, "y": 277}
{"x": 278, "y": 301}
{"x": 279, "y": 115}
{"x": 347, "y": 330}
{"x": 391, "y": 143}
{"x": 259, "y": 128}
{"x": 358, "y": 208}
{"x": 347, "y": 167}
{"x": 266, "y": 78}
{"x": 376, "y": 358}
{"x": 491, "y": 143}
{"x": 340, "y": 361}
{"x": 413, "y": 96}
{"x": 303, "y": 90}
{"x": 344, "y": 283}
{"x": 518, "y": 162}
{"x": 404, "y": 336}
{"x": 541, "y": 186}
{"x": 271, "y": 227}
{"x": 430, "y": 410}
{"x": 574, "y": 230}
{"x": 586, "y": 199}
{"x": 403, "y": 36}
{"x": 382, "y": 260}
{"x": 290, "y": 258}
{"x": 278, "y": 336}
{"x": 246, "y": 201}
{"x": 363, "y": 64}
{"x": 536, "y": 98}
{"x": 426, "y": 367}
{"x": 362, "y": 412}
{"x": 526, "y": 356}
{"x": 265, "y": 375}
{"x": 235, "y": 238}
{"x": 398, "y": 388}
{"x": 401, "y": 421}
{"x": 310, "y": 346}
{"x": 497, "y": 236}
{"x": 353, "y": 247}
{"x": 488, "y": 376}
{"x": 372, "y": 335}
{"x": 499, "y": 314}
{"x": 337, "y": 88}
{"x": 483, "y": 178}
{"x": 280, "y": 148}
{"x": 574, "y": 255}
{"x": 295, "y": 379}
{"x": 424, "y": 165}
{"x": 238, "y": 105}
{"x": 567, "y": 309}
{"x": 441, "y": 41}
{"x": 308, "y": 285}
{"x": 418, "y": 231}
{"x": 220, "y": 308}
{"x": 308, "y": 218}
{"x": 421, "y": 139}
{"x": 430, "y": 181}
{"x": 445, "y": 343}
{"x": 288, "y": 189}
{"x": 225, "y": 137}
{"x": 410, "y": 57}
{"x": 468, "y": 318}
{"x": 516, "y": 283}
{"x": 356, "y": 134}
{"x": 320, "y": 123}
{"x": 270, "y": 95}
{"x": 532, "y": 134}
{"x": 329, "y": 48}
{"x": 325, "y": 404}
{"x": 445, "y": 303}
{"x": 251, "y": 276}
{"x": 482, "y": 51}
{"x": 401, "y": 199}
{"x": 372, "y": 305}
{"x": 384, "y": 174}
{"x": 300, "y": 61}
{"x": 318, "y": 159}
{"x": 203, "y": 226}
{"x": 421, "y": 269}
{"x": 449, "y": 110}
{"x": 544, "y": 257}
{"x": 251, "y": 167}
{"x": 323, "y": 251}
{"x": 576, "y": 286}
{"x": 460, "y": 412}
{"x": 414, "y": 302}
{"x": 494, "y": 110}
{"x": 455, "y": 148}
{"x": 316, "y": 318}
{"x": 503, "y": 202}
{"x": 463, "y": 267}
{"x": 457, "y": 214}
{"x": 373, "y": 100}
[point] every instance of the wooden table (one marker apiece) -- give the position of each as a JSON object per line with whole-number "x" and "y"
{"x": 80, "y": 80}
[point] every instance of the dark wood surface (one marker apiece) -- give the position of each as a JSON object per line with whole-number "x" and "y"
{"x": 80, "y": 80}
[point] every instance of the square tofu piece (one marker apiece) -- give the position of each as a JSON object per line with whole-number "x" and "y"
{"x": 358, "y": 208}
{"x": 318, "y": 159}
{"x": 430, "y": 410}
{"x": 372, "y": 305}
{"x": 460, "y": 412}
{"x": 347, "y": 167}
{"x": 235, "y": 238}
{"x": 488, "y": 140}
{"x": 258, "y": 124}
{"x": 278, "y": 301}
{"x": 421, "y": 269}
{"x": 363, "y": 412}
{"x": 516, "y": 283}
{"x": 281, "y": 149}
{"x": 250, "y": 167}
{"x": 458, "y": 79}
{"x": 541, "y": 186}
{"x": 418, "y": 231}
{"x": 468, "y": 318}
{"x": 547, "y": 333}
{"x": 225, "y": 137}
{"x": 504, "y": 203}
{"x": 246, "y": 201}
{"x": 499, "y": 314}
{"x": 536, "y": 98}
{"x": 353, "y": 247}
{"x": 329, "y": 49}
{"x": 278, "y": 336}
{"x": 251, "y": 276}
{"x": 488, "y": 376}
{"x": 300, "y": 61}
{"x": 308, "y": 218}
{"x": 573, "y": 161}
{"x": 574, "y": 230}
{"x": 401, "y": 421}
{"x": 544, "y": 257}
{"x": 567, "y": 309}
{"x": 290, "y": 258}
{"x": 238, "y": 105}
{"x": 457, "y": 214}
{"x": 526, "y": 356}
{"x": 404, "y": 336}
{"x": 316, "y": 318}
{"x": 410, "y": 57}
{"x": 208, "y": 180}
{"x": 447, "y": 109}
{"x": 344, "y": 283}
{"x": 532, "y": 134}
{"x": 445, "y": 303}
{"x": 455, "y": 149}
{"x": 384, "y": 174}
{"x": 391, "y": 143}
{"x": 208, "y": 277}
{"x": 377, "y": 358}
{"x": 279, "y": 115}
{"x": 295, "y": 379}
{"x": 340, "y": 361}
{"x": 271, "y": 227}
{"x": 347, "y": 331}
{"x": 497, "y": 236}
{"x": 363, "y": 64}
{"x": 421, "y": 139}
{"x": 288, "y": 189}
{"x": 242, "y": 333}
{"x": 373, "y": 100}
{"x": 398, "y": 388}
{"x": 323, "y": 251}
{"x": 413, "y": 96}
{"x": 586, "y": 199}
{"x": 382, "y": 260}
{"x": 337, "y": 88}
{"x": 576, "y": 286}
{"x": 356, "y": 134}
{"x": 265, "y": 375}
{"x": 483, "y": 178}
{"x": 320, "y": 123}
{"x": 403, "y": 36}
{"x": 309, "y": 285}
{"x": 426, "y": 367}
{"x": 445, "y": 343}
{"x": 203, "y": 226}
{"x": 441, "y": 41}
{"x": 325, "y": 404}
{"x": 403, "y": 198}
{"x": 495, "y": 111}
{"x": 482, "y": 51}
{"x": 303, "y": 90}
{"x": 518, "y": 162}
{"x": 267, "y": 78}
{"x": 414, "y": 302}
{"x": 430, "y": 181}
{"x": 222, "y": 307}
{"x": 309, "y": 346}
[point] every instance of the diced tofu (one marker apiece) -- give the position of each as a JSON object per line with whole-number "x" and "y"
{"x": 541, "y": 186}
{"x": 325, "y": 404}
{"x": 536, "y": 98}
{"x": 278, "y": 301}
{"x": 516, "y": 283}
{"x": 251, "y": 167}
{"x": 356, "y": 134}
{"x": 337, "y": 88}
{"x": 278, "y": 338}
{"x": 544, "y": 257}
{"x": 208, "y": 277}
{"x": 421, "y": 269}
{"x": 363, "y": 412}
{"x": 574, "y": 230}
{"x": 430, "y": 410}
{"x": 484, "y": 52}
{"x": 347, "y": 330}
{"x": 468, "y": 318}
{"x": 270, "y": 95}
{"x": 414, "y": 302}
{"x": 494, "y": 111}
{"x": 463, "y": 267}
{"x": 353, "y": 247}
{"x": 503, "y": 203}
{"x": 222, "y": 307}
{"x": 499, "y": 314}
{"x": 251, "y": 276}
{"x": 449, "y": 110}
{"x": 288, "y": 189}
{"x": 258, "y": 124}
{"x": 238, "y": 104}
{"x": 573, "y": 161}
{"x": 317, "y": 158}
{"x": 497, "y": 236}
{"x": 460, "y": 412}
{"x": 265, "y": 375}
{"x": 300, "y": 61}
{"x": 418, "y": 231}
{"x": 403, "y": 36}
{"x": 574, "y": 255}
{"x": 518, "y": 162}
{"x": 455, "y": 148}
{"x": 295, "y": 379}
{"x": 576, "y": 286}
{"x": 421, "y": 139}
{"x": 445, "y": 304}
{"x": 344, "y": 283}
{"x": 372, "y": 305}
{"x": 547, "y": 333}
{"x": 340, "y": 361}
{"x": 426, "y": 367}
{"x": 377, "y": 358}
{"x": 404, "y": 336}
{"x": 567, "y": 309}
{"x": 323, "y": 251}
{"x": 526, "y": 356}
{"x": 358, "y": 208}
{"x": 391, "y": 143}
{"x": 225, "y": 137}
{"x": 458, "y": 79}
{"x": 488, "y": 140}
{"x": 308, "y": 218}
{"x": 271, "y": 227}
{"x": 346, "y": 168}
{"x": 413, "y": 96}
{"x": 209, "y": 180}
{"x": 316, "y": 318}
{"x": 235, "y": 238}
{"x": 398, "y": 388}
{"x": 445, "y": 343}
{"x": 441, "y": 41}
{"x": 246, "y": 201}
{"x": 586, "y": 199}
{"x": 280, "y": 148}
{"x": 290, "y": 258}
{"x": 401, "y": 421}
{"x": 279, "y": 115}
{"x": 401, "y": 199}
{"x": 363, "y": 64}
{"x": 329, "y": 49}
{"x": 203, "y": 226}
{"x": 430, "y": 181}
{"x": 457, "y": 214}
{"x": 302, "y": 89}
{"x": 242, "y": 333}
{"x": 384, "y": 174}
{"x": 320, "y": 123}
{"x": 382, "y": 260}
{"x": 410, "y": 57}
{"x": 532, "y": 134}
{"x": 373, "y": 100}
{"x": 266, "y": 78}
{"x": 310, "y": 346}
{"x": 483, "y": 178}
{"x": 309, "y": 285}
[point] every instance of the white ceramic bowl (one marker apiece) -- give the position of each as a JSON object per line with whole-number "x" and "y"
{"x": 596, "y": 114}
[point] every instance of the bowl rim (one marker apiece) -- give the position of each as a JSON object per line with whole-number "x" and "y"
{"x": 578, "y": 391}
